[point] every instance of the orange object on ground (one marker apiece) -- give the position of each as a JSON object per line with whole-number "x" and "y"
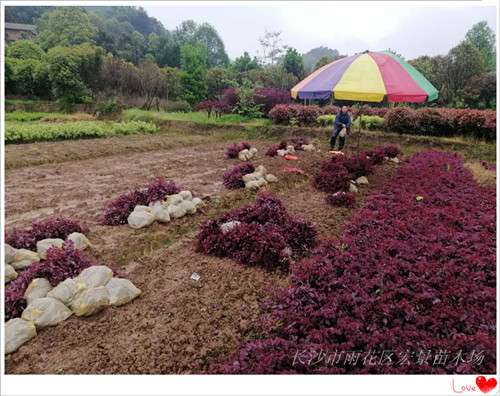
{"x": 335, "y": 152}
{"x": 289, "y": 157}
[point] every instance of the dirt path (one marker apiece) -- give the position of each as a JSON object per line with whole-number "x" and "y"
{"x": 177, "y": 325}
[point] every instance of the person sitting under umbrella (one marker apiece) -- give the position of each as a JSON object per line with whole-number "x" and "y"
{"x": 341, "y": 128}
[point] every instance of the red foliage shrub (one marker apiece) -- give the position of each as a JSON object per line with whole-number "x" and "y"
{"x": 358, "y": 165}
{"x": 376, "y": 155}
{"x": 273, "y": 150}
{"x": 212, "y": 107}
{"x": 303, "y": 115}
{"x": 423, "y": 121}
{"x": 391, "y": 150}
{"x": 232, "y": 178}
{"x": 233, "y": 150}
{"x": 413, "y": 277}
{"x": 267, "y": 236}
{"x": 57, "y": 227}
{"x": 332, "y": 177}
{"x": 267, "y": 98}
{"x": 341, "y": 198}
{"x": 60, "y": 264}
{"x": 117, "y": 210}
{"x": 230, "y": 98}
{"x": 401, "y": 119}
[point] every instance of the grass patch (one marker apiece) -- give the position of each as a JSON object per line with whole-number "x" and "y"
{"x": 23, "y": 132}
{"x": 481, "y": 174}
{"x": 196, "y": 116}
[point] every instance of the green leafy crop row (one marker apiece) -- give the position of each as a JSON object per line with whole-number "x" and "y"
{"x": 19, "y": 132}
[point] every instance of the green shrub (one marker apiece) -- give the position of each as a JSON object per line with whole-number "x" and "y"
{"x": 326, "y": 120}
{"x": 19, "y": 132}
{"x": 369, "y": 122}
{"x": 106, "y": 107}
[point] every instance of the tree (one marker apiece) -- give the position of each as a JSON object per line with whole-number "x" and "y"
{"x": 483, "y": 38}
{"x": 25, "y": 14}
{"x": 218, "y": 79}
{"x": 73, "y": 72}
{"x": 312, "y": 56}
{"x": 65, "y": 26}
{"x": 27, "y": 76}
{"x": 194, "y": 65}
{"x": 137, "y": 47}
{"x": 152, "y": 83}
{"x": 189, "y": 32}
{"x": 245, "y": 63}
{"x": 271, "y": 47}
{"x": 272, "y": 77}
{"x": 293, "y": 63}
{"x": 24, "y": 49}
{"x": 465, "y": 61}
{"x": 480, "y": 91}
{"x": 325, "y": 60}
{"x": 172, "y": 82}
{"x": 207, "y": 36}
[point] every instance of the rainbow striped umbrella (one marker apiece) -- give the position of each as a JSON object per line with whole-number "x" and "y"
{"x": 367, "y": 77}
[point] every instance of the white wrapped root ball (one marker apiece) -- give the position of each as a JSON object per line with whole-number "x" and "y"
{"x": 38, "y": 288}
{"x": 140, "y": 219}
{"x": 24, "y": 258}
{"x": 270, "y": 178}
{"x": 186, "y": 195}
{"x": 80, "y": 241}
{"x": 121, "y": 291}
{"x": 90, "y": 301}
{"x": 95, "y": 276}
{"x": 10, "y": 273}
{"x": 174, "y": 199}
{"x": 66, "y": 290}
{"x": 255, "y": 184}
{"x": 17, "y": 332}
{"x": 46, "y": 311}
{"x": 9, "y": 254}
{"x": 176, "y": 211}
{"x": 45, "y": 244}
{"x": 188, "y": 206}
{"x": 228, "y": 226}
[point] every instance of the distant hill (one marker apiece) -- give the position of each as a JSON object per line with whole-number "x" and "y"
{"x": 314, "y": 55}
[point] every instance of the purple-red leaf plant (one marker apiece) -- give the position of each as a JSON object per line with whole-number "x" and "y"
{"x": 60, "y": 264}
{"x": 57, "y": 227}
{"x": 118, "y": 209}
{"x": 410, "y": 285}
{"x": 232, "y": 178}
{"x": 264, "y": 235}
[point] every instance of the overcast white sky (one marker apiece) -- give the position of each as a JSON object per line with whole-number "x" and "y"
{"x": 350, "y": 27}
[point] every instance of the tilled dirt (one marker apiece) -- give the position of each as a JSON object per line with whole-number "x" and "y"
{"x": 177, "y": 325}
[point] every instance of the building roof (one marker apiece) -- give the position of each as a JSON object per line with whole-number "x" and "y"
{"x": 19, "y": 26}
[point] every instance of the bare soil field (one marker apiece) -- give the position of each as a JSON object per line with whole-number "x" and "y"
{"x": 177, "y": 325}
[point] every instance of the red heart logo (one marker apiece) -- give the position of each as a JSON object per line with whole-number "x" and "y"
{"x": 484, "y": 385}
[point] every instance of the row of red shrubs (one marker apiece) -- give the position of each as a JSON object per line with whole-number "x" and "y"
{"x": 424, "y": 121}
{"x": 410, "y": 286}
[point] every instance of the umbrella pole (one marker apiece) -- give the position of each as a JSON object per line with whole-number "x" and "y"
{"x": 359, "y": 130}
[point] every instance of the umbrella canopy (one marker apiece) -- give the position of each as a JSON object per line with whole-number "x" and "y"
{"x": 367, "y": 77}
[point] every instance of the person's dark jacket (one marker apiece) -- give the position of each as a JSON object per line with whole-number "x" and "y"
{"x": 342, "y": 118}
